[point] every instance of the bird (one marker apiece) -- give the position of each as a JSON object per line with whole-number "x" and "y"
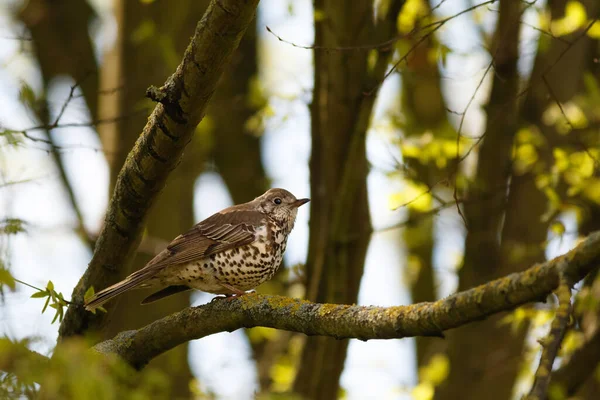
{"x": 228, "y": 253}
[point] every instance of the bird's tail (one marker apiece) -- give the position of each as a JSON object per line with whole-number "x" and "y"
{"x": 131, "y": 282}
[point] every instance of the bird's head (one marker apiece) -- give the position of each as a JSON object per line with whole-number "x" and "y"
{"x": 280, "y": 205}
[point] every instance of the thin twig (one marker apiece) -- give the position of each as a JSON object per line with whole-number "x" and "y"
{"x": 429, "y": 191}
{"x": 564, "y": 114}
{"x": 460, "y": 159}
{"x": 433, "y": 26}
{"x": 43, "y": 114}
{"x": 82, "y": 124}
{"x": 27, "y": 284}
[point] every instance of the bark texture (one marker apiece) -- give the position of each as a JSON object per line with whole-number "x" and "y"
{"x": 151, "y": 39}
{"x": 472, "y": 364}
{"x": 182, "y": 104}
{"x": 423, "y": 113}
{"x": 344, "y": 93}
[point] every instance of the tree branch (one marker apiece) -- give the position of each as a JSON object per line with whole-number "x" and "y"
{"x": 137, "y": 347}
{"x": 551, "y": 344}
{"x": 170, "y": 127}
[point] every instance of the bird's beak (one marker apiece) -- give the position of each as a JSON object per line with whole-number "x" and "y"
{"x": 300, "y": 202}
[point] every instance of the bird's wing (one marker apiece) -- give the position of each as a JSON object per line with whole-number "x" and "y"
{"x": 225, "y": 230}
{"x": 233, "y": 227}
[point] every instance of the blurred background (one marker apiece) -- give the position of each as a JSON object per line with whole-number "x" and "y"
{"x": 443, "y": 144}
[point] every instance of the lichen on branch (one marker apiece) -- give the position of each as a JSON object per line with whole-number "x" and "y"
{"x": 138, "y": 347}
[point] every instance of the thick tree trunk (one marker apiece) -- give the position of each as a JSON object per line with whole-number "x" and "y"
{"x": 423, "y": 112}
{"x": 151, "y": 40}
{"x": 339, "y": 223}
{"x": 523, "y": 234}
{"x": 475, "y": 371}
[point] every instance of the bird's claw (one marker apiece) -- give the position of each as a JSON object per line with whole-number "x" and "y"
{"x": 233, "y": 296}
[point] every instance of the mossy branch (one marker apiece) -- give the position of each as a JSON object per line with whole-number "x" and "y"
{"x": 138, "y": 347}
{"x": 182, "y": 104}
{"x": 551, "y": 344}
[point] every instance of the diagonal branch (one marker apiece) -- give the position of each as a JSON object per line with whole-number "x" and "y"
{"x": 551, "y": 344}
{"x": 138, "y": 347}
{"x": 182, "y": 104}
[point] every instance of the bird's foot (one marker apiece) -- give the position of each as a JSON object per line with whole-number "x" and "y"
{"x": 228, "y": 297}
{"x": 235, "y": 292}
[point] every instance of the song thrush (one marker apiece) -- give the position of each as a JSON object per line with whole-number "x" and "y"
{"x": 232, "y": 251}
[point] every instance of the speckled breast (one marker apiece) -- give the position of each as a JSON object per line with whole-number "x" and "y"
{"x": 248, "y": 266}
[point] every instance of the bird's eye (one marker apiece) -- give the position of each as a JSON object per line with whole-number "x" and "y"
{"x": 277, "y": 201}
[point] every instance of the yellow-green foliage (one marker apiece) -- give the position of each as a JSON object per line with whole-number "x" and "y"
{"x": 575, "y": 18}
{"x": 6, "y": 279}
{"x": 74, "y": 372}
{"x": 523, "y": 316}
{"x": 412, "y": 11}
{"x": 431, "y": 375}
{"x": 284, "y": 369}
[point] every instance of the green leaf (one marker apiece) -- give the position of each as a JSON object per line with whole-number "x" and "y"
{"x": 594, "y": 31}
{"x": 13, "y": 138}
{"x": 319, "y": 15}
{"x": 46, "y": 305}
{"x": 89, "y": 293}
{"x": 11, "y": 226}
{"x": 574, "y": 18}
{"x": 27, "y": 96}
{"x": 436, "y": 371}
{"x": 62, "y": 300}
{"x": 423, "y": 391}
{"x": 50, "y": 286}
{"x": 6, "y": 279}
{"x": 144, "y": 31}
{"x": 412, "y": 11}
{"x": 40, "y": 294}
{"x": 558, "y": 228}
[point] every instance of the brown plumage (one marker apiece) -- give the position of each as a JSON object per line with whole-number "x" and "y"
{"x": 228, "y": 253}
